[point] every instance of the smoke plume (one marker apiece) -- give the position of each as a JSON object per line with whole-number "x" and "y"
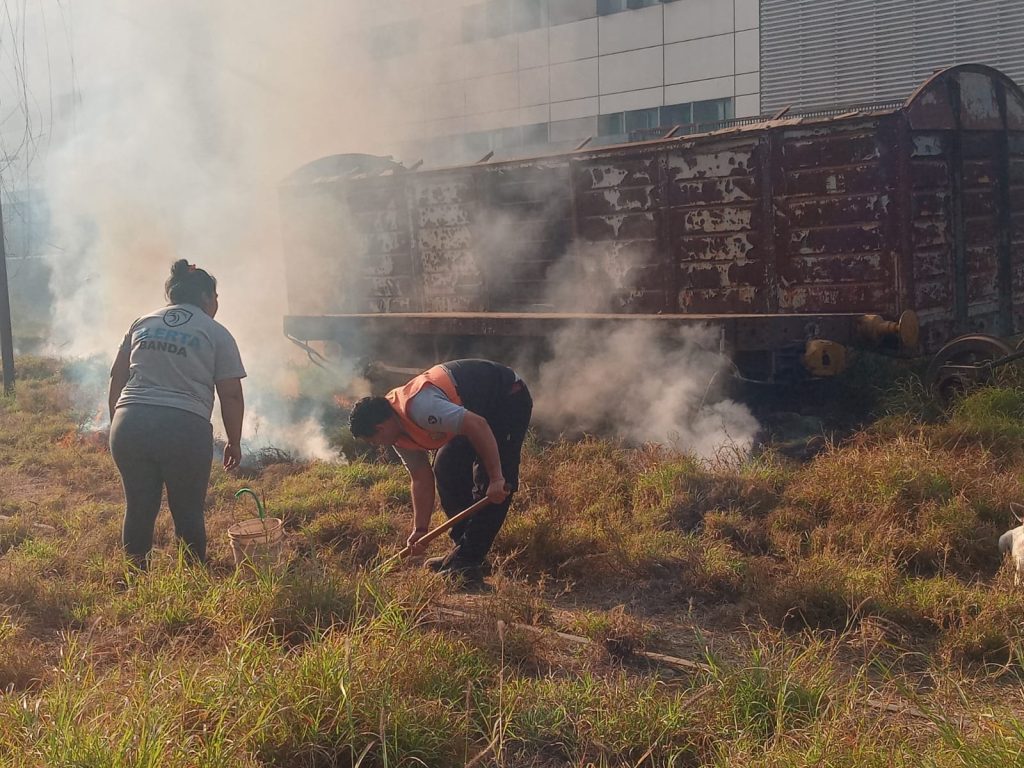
{"x": 174, "y": 124}
{"x": 645, "y": 387}
{"x": 169, "y": 126}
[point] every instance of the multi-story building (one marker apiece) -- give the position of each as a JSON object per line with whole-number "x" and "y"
{"x": 830, "y": 52}
{"x": 507, "y": 73}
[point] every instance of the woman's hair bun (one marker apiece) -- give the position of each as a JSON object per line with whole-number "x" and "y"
{"x": 179, "y": 268}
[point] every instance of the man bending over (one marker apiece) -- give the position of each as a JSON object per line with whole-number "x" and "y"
{"x": 474, "y": 414}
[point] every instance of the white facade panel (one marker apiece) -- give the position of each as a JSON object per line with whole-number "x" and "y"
{"x": 392, "y": 11}
{"x": 448, "y": 127}
{"x": 570, "y": 110}
{"x": 567, "y": 130}
{"x": 489, "y": 94}
{"x": 443, "y": 28}
{"x": 699, "y": 59}
{"x": 575, "y": 67}
{"x": 747, "y": 14}
{"x": 574, "y": 80}
{"x": 691, "y": 19}
{"x": 533, "y": 48}
{"x": 533, "y": 115}
{"x": 641, "y": 28}
{"x": 748, "y": 51}
{"x": 748, "y": 83}
{"x": 570, "y": 42}
{"x": 491, "y": 57}
{"x": 748, "y": 106}
{"x": 533, "y": 87}
{"x": 631, "y": 70}
{"x": 622, "y": 102}
{"x": 446, "y": 64}
{"x": 701, "y": 90}
{"x": 489, "y": 121}
{"x": 445, "y": 100}
{"x": 565, "y": 11}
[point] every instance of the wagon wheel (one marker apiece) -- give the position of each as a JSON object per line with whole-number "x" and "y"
{"x": 947, "y": 383}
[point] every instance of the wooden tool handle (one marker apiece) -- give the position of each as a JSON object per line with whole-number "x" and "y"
{"x": 448, "y": 524}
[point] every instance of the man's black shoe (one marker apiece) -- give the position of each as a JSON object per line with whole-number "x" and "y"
{"x": 435, "y": 564}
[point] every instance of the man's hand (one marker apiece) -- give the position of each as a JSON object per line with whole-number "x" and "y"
{"x": 232, "y": 455}
{"x": 415, "y": 548}
{"x": 497, "y": 491}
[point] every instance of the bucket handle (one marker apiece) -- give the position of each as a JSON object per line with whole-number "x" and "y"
{"x": 259, "y": 503}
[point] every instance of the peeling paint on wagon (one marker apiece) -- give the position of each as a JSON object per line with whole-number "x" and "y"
{"x": 711, "y": 220}
{"x": 928, "y": 145}
{"x": 873, "y": 210}
{"x": 721, "y": 248}
{"x": 732, "y": 189}
{"x": 699, "y": 166}
{"x": 629, "y": 199}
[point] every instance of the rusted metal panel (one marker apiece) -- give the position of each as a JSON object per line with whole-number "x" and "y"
{"x": 1015, "y": 182}
{"x": 713, "y": 240}
{"x": 523, "y": 232}
{"x": 862, "y": 178}
{"x": 443, "y": 207}
{"x": 979, "y": 105}
{"x": 920, "y": 207}
{"x": 835, "y": 245}
{"x": 931, "y": 235}
{"x": 383, "y": 270}
{"x": 616, "y": 260}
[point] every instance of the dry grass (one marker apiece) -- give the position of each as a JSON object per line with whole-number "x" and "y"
{"x": 814, "y": 593}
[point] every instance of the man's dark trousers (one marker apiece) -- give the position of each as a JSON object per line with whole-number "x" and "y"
{"x": 462, "y": 479}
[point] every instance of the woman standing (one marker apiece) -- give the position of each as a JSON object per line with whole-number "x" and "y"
{"x": 161, "y": 400}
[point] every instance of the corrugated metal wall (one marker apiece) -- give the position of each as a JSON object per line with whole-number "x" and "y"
{"x": 821, "y": 52}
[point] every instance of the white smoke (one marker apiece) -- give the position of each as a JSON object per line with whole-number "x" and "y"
{"x": 643, "y": 386}
{"x": 175, "y": 122}
{"x": 180, "y": 119}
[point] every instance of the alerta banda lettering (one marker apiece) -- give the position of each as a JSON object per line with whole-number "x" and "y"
{"x": 174, "y": 342}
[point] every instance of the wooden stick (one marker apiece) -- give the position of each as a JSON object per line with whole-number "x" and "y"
{"x": 672, "y": 661}
{"x": 444, "y": 527}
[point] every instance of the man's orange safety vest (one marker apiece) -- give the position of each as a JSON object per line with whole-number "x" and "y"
{"x": 416, "y": 438}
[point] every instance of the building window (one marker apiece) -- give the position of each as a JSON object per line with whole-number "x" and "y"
{"x": 528, "y": 14}
{"x": 566, "y": 11}
{"x": 677, "y": 114}
{"x": 605, "y": 7}
{"x": 474, "y": 23}
{"x": 641, "y": 119}
{"x": 535, "y": 134}
{"x": 712, "y": 111}
{"x": 498, "y": 18}
{"x": 610, "y": 125}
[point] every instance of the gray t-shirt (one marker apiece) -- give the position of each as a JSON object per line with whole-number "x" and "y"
{"x": 431, "y": 409}
{"x": 177, "y": 355}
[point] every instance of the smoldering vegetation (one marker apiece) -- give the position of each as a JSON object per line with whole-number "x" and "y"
{"x": 853, "y": 606}
{"x": 644, "y": 387}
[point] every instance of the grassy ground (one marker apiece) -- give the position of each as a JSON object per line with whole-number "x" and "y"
{"x": 849, "y": 610}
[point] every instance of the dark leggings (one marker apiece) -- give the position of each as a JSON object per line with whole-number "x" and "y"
{"x": 462, "y": 480}
{"x": 155, "y": 446}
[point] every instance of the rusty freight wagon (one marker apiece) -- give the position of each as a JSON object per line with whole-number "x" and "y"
{"x": 898, "y": 226}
